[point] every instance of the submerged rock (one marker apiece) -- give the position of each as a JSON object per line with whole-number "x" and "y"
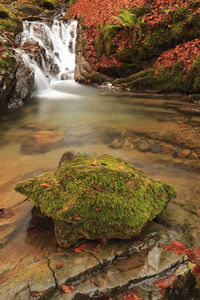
{"x": 97, "y": 197}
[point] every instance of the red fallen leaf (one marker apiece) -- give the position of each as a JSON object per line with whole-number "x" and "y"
{"x": 182, "y": 125}
{"x": 59, "y": 265}
{"x": 96, "y": 187}
{"x": 45, "y": 185}
{"x": 95, "y": 283}
{"x": 193, "y": 255}
{"x": 67, "y": 288}
{"x": 166, "y": 247}
{"x": 196, "y": 252}
{"x": 95, "y": 163}
{"x": 169, "y": 281}
{"x": 132, "y": 296}
{"x": 76, "y": 217}
{"x": 119, "y": 167}
{"x": 81, "y": 248}
{"x": 163, "y": 292}
{"x": 177, "y": 247}
{"x": 96, "y": 247}
{"x": 196, "y": 269}
{"x": 36, "y": 294}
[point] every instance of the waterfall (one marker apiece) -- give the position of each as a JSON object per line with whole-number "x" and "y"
{"x": 49, "y": 50}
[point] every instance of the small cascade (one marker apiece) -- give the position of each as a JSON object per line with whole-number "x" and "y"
{"x": 49, "y": 50}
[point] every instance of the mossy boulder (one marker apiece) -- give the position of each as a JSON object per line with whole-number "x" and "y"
{"x": 97, "y": 197}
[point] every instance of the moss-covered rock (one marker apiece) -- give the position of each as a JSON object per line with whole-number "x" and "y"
{"x": 97, "y": 197}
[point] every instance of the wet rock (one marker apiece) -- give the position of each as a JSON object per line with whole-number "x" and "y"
{"x": 70, "y": 46}
{"x": 185, "y": 153}
{"x": 42, "y": 141}
{"x": 84, "y": 71}
{"x": 193, "y": 155}
{"x": 38, "y": 277}
{"x": 16, "y": 83}
{"x": 116, "y": 144}
{"x": 64, "y": 76}
{"x": 11, "y": 220}
{"x": 82, "y": 206}
{"x": 139, "y": 266}
{"x": 144, "y": 147}
{"x": 177, "y": 151}
{"x": 156, "y": 148}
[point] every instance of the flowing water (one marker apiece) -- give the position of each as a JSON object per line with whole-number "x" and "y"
{"x": 66, "y": 115}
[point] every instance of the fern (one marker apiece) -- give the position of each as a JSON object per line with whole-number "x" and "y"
{"x": 177, "y": 30}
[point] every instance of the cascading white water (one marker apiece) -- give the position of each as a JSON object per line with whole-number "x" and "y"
{"x": 57, "y": 56}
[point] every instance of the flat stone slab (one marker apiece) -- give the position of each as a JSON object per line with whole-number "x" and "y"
{"x": 115, "y": 267}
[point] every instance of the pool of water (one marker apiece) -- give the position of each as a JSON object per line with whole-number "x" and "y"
{"x": 71, "y": 116}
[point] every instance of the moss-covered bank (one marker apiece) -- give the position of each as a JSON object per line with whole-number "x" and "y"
{"x": 97, "y": 197}
{"x": 128, "y": 43}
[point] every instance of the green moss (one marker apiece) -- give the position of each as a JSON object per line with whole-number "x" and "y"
{"x": 125, "y": 55}
{"x": 105, "y": 44}
{"x": 8, "y": 25}
{"x": 5, "y": 12}
{"x": 140, "y": 11}
{"x": 8, "y": 62}
{"x": 50, "y": 4}
{"x": 99, "y": 78}
{"x": 112, "y": 198}
{"x": 169, "y": 80}
{"x": 99, "y": 48}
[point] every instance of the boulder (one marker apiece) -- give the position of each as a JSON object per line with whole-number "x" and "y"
{"x": 97, "y": 197}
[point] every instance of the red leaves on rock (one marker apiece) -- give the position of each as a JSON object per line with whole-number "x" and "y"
{"x": 45, "y": 185}
{"x": 132, "y": 296}
{"x": 95, "y": 283}
{"x": 186, "y": 53}
{"x": 81, "y": 248}
{"x": 177, "y": 247}
{"x": 196, "y": 269}
{"x": 67, "y": 288}
{"x": 36, "y": 294}
{"x": 169, "y": 281}
{"x": 59, "y": 265}
{"x": 193, "y": 255}
{"x": 97, "y": 247}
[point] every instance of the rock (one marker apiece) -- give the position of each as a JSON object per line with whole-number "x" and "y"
{"x": 116, "y": 144}
{"x": 185, "y": 153}
{"x": 16, "y": 83}
{"x": 156, "y": 148}
{"x": 64, "y": 76}
{"x": 193, "y": 155}
{"x": 107, "y": 199}
{"x": 42, "y": 141}
{"x": 144, "y": 147}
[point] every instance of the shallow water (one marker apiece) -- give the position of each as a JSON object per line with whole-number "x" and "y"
{"x": 71, "y": 116}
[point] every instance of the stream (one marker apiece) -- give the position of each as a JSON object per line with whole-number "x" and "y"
{"x": 64, "y": 115}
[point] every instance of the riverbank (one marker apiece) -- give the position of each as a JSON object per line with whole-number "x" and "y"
{"x": 140, "y": 45}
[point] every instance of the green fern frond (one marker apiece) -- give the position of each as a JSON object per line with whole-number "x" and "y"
{"x": 177, "y": 30}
